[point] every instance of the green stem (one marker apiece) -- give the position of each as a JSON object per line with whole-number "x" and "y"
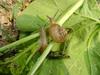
{"x": 89, "y": 17}
{"x": 21, "y": 54}
{"x": 40, "y": 59}
{"x": 88, "y": 41}
{"x": 34, "y": 50}
{"x": 14, "y": 44}
{"x": 90, "y": 37}
{"x": 30, "y": 57}
{"x": 70, "y": 12}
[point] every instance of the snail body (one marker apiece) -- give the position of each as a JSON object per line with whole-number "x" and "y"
{"x": 43, "y": 40}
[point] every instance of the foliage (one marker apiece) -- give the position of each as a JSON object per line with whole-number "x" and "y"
{"x": 82, "y": 47}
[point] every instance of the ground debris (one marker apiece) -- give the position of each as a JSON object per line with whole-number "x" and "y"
{"x": 8, "y": 30}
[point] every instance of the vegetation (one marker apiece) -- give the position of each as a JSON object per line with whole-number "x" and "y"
{"x": 74, "y": 22}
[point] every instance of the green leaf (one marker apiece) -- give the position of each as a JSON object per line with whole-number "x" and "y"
{"x": 81, "y": 60}
{"x": 93, "y": 52}
{"x": 30, "y": 21}
{"x": 52, "y": 67}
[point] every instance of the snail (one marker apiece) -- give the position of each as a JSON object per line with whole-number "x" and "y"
{"x": 57, "y": 33}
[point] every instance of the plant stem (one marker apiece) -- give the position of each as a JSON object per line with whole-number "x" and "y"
{"x": 92, "y": 18}
{"x": 30, "y": 57}
{"x": 40, "y": 59}
{"x": 34, "y": 50}
{"x": 14, "y": 44}
{"x": 70, "y": 12}
{"x": 21, "y": 54}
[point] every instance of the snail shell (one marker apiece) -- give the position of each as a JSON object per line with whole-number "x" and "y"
{"x": 57, "y": 32}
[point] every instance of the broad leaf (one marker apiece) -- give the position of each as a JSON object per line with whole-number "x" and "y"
{"x": 30, "y": 21}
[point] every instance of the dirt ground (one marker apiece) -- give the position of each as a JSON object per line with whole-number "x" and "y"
{"x": 8, "y": 31}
